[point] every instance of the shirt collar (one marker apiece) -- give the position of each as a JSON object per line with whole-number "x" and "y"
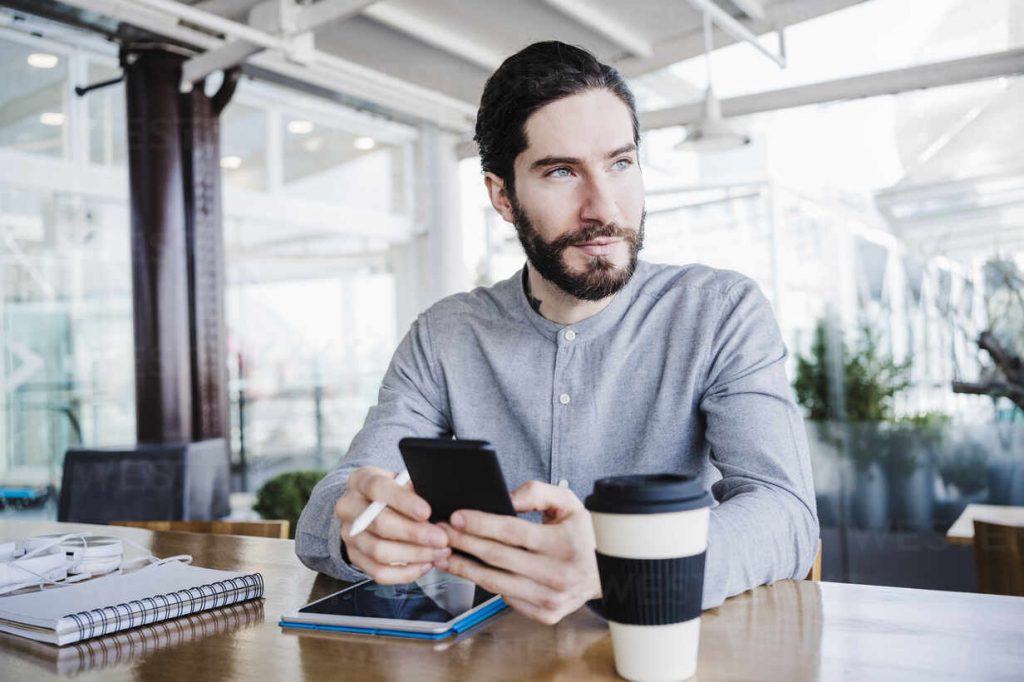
{"x": 592, "y": 326}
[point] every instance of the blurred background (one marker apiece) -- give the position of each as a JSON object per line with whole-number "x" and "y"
{"x": 887, "y": 230}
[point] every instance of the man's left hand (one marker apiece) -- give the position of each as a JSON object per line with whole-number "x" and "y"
{"x": 543, "y": 571}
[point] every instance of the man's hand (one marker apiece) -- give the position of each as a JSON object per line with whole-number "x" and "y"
{"x": 399, "y": 546}
{"x": 543, "y": 571}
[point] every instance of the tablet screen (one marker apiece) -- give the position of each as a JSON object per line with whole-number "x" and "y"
{"x": 436, "y": 598}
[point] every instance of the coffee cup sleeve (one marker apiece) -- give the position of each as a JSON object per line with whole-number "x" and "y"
{"x": 651, "y": 591}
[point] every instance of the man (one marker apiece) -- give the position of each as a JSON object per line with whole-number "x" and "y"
{"x": 588, "y": 363}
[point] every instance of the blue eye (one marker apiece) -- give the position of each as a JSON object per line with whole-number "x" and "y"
{"x": 557, "y": 170}
{"x": 623, "y": 164}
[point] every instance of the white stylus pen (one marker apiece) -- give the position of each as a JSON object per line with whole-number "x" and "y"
{"x": 363, "y": 521}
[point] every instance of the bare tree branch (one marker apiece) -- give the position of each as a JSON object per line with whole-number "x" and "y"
{"x": 1010, "y": 364}
{"x": 995, "y": 389}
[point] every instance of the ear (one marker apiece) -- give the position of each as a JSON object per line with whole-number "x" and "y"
{"x": 499, "y": 198}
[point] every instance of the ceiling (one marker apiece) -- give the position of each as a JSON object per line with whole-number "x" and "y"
{"x": 429, "y": 59}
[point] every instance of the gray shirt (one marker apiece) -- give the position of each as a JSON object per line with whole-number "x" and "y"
{"x": 682, "y": 372}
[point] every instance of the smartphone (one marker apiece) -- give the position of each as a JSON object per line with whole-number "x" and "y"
{"x": 456, "y": 474}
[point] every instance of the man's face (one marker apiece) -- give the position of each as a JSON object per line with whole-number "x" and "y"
{"x": 578, "y": 204}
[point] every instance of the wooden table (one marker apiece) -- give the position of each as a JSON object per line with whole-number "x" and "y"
{"x": 962, "y": 530}
{"x": 793, "y": 630}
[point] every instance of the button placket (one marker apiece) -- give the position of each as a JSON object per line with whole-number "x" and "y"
{"x": 561, "y": 399}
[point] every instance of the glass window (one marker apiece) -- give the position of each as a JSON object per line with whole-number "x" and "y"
{"x": 33, "y": 99}
{"x": 243, "y": 146}
{"x": 67, "y": 375}
{"x": 327, "y": 164}
{"x": 108, "y": 132}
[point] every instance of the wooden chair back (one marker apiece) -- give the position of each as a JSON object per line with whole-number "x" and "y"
{"x": 262, "y": 529}
{"x": 815, "y": 572}
{"x": 999, "y": 558}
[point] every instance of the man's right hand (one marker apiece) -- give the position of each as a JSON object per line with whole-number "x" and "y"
{"x": 400, "y": 545}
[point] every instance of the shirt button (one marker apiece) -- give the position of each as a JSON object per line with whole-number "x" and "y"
{"x": 564, "y": 398}
{"x": 570, "y": 335}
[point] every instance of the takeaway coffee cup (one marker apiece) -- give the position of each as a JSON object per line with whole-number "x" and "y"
{"x": 652, "y": 533}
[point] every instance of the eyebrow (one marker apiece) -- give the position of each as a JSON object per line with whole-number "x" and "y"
{"x": 569, "y": 160}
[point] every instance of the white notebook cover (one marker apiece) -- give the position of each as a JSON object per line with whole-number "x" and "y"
{"x": 61, "y": 615}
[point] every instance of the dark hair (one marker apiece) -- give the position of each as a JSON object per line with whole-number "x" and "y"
{"x": 528, "y": 80}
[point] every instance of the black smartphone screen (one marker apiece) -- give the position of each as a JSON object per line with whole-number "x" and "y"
{"x": 456, "y": 474}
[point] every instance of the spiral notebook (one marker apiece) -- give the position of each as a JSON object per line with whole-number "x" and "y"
{"x": 120, "y": 601}
{"x": 122, "y": 647}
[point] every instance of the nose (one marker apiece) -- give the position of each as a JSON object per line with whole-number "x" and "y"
{"x": 598, "y": 203}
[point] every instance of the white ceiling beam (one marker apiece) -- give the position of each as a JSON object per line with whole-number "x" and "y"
{"x": 229, "y": 9}
{"x": 436, "y": 32}
{"x": 323, "y": 12}
{"x": 325, "y": 71}
{"x": 727, "y": 23}
{"x": 231, "y": 53}
{"x": 752, "y": 8}
{"x": 953, "y": 72}
{"x": 783, "y": 13}
{"x": 212, "y": 22}
{"x": 594, "y": 17}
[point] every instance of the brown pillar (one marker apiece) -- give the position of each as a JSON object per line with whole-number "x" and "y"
{"x": 205, "y": 256}
{"x": 163, "y": 410}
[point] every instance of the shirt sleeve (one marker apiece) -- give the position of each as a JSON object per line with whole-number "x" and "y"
{"x": 765, "y": 527}
{"x": 411, "y": 402}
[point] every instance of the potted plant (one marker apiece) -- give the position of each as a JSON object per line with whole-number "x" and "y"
{"x": 285, "y": 496}
{"x": 870, "y": 380}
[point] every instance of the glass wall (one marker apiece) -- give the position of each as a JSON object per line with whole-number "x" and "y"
{"x": 66, "y": 376}
{"x": 315, "y": 198}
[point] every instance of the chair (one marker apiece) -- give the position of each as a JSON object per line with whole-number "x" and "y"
{"x": 999, "y": 558}
{"x": 261, "y": 529}
{"x": 815, "y": 572}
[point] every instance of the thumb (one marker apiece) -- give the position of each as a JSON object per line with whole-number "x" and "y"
{"x": 556, "y": 503}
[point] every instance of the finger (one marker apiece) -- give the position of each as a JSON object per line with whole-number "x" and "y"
{"x": 350, "y": 505}
{"x": 507, "y": 529}
{"x": 548, "y": 617}
{"x": 537, "y": 567}
{"x": 381, "y": 487}
{"x": 385, "y": 574}
{"x": 506, "y": 584}
{"x": 555, "y": 501}
{"x": 394, "y": 526}
{"x": 387, "y": 552}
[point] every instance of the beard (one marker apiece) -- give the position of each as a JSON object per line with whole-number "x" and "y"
{"x": 600, "y": 278}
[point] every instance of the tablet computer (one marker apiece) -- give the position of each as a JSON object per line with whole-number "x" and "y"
{"x": 434, "y": 607}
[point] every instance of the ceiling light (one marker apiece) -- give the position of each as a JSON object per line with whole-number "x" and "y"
{"x": 711, "y": 132}
{"x": 313, "y": 144}
{"x": 364, "y": 143}
{"x": 300, "y": 127}
{"x": 230, "y": 162}
{"x": 43, "y": 60}
{"x": 51, "y": 118}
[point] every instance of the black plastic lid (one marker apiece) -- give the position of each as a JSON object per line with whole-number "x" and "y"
{"x": 647, "y": 494}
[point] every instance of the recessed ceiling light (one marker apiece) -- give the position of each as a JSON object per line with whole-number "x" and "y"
{"x": 364, "y": 143}
{"x": 300, "y": 127}
{"x": 230, "y": 162}
{"x": 51, "y": 118}
{"x": 313, "y": 144}
{"x": 43, "y": 60}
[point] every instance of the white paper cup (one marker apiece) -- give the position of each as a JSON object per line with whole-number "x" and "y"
{"x": 651, "y": 534}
